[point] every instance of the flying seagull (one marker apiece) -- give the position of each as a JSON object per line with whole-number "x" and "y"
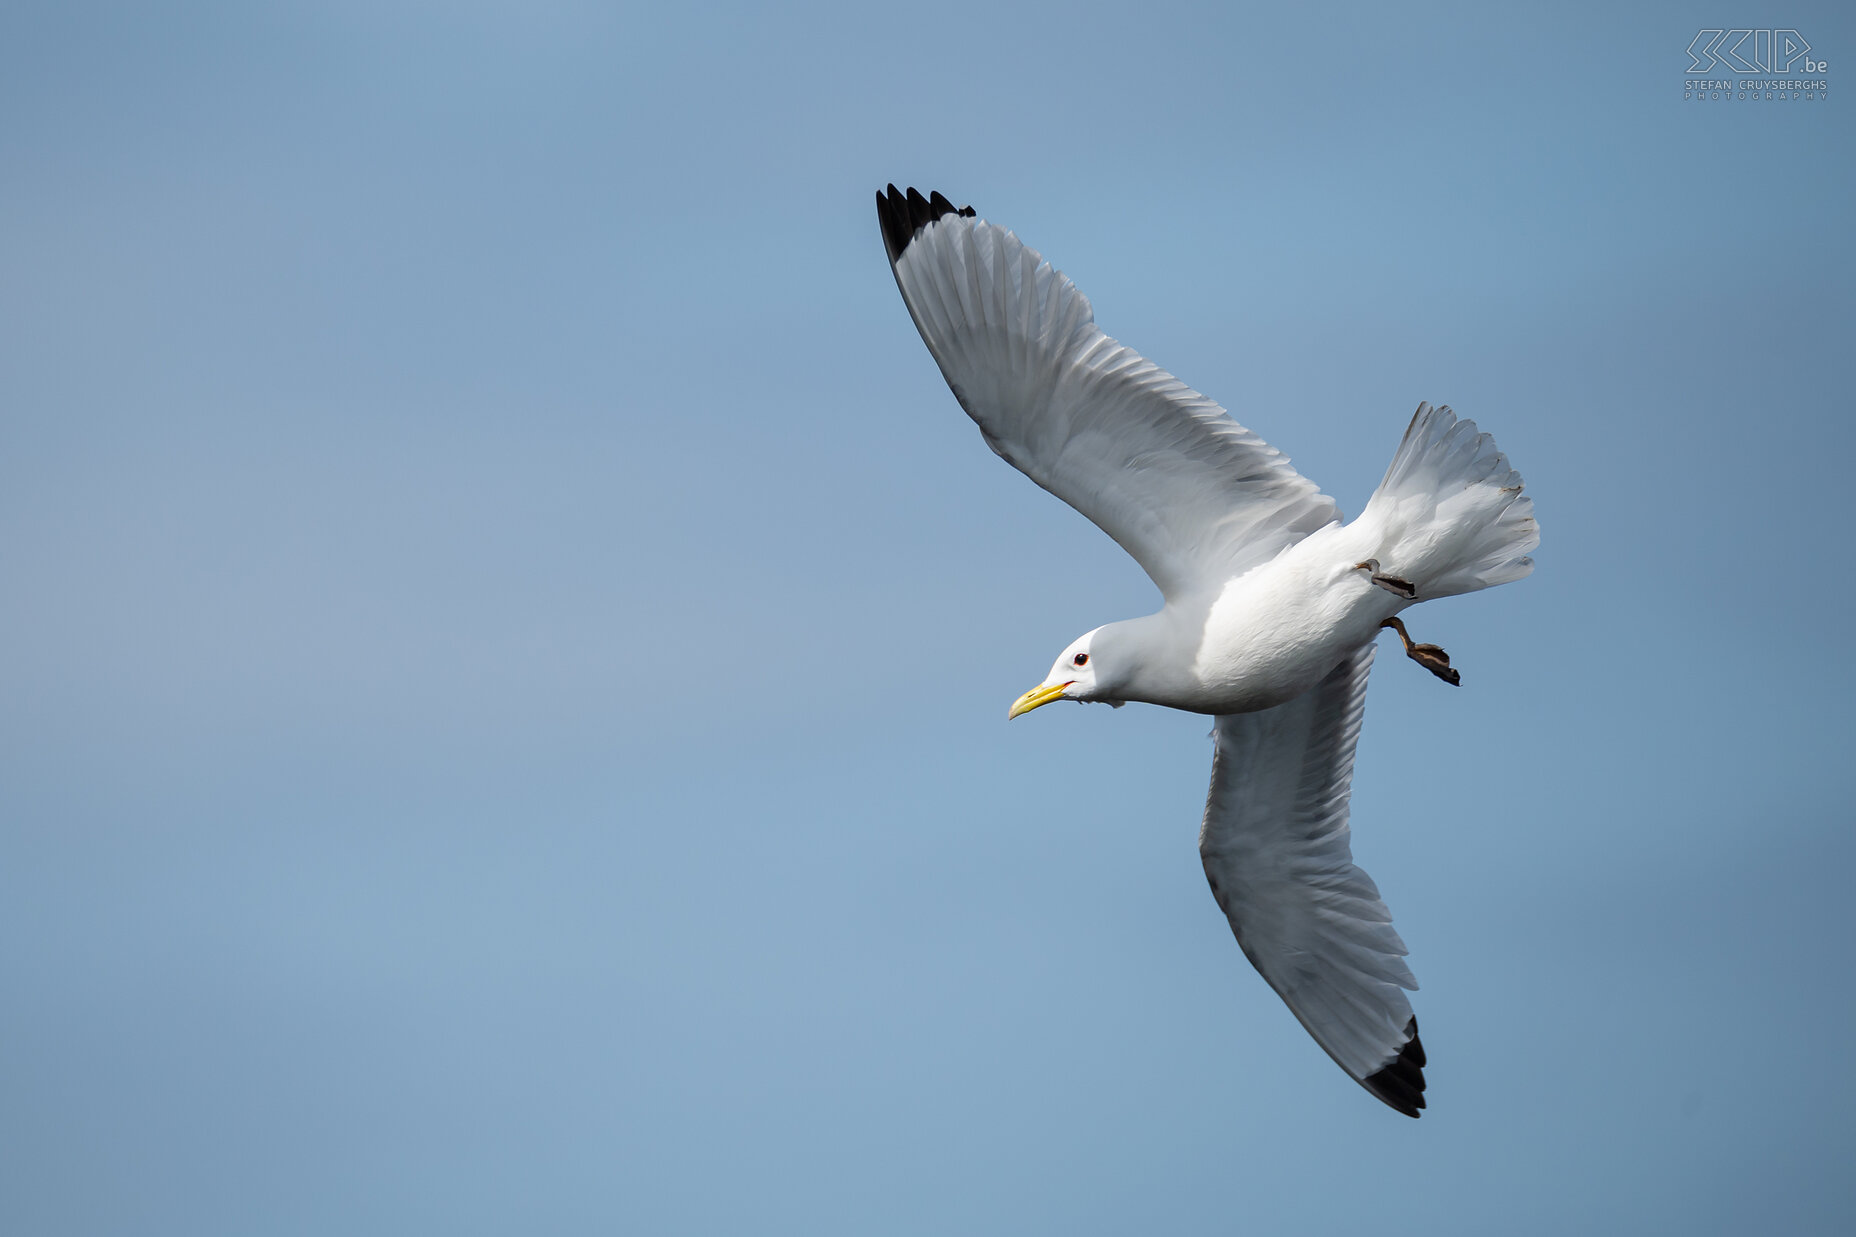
{"x": 1272, "y": 603}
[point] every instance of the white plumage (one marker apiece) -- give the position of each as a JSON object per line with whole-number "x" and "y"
{"x": 1272, "y": 604}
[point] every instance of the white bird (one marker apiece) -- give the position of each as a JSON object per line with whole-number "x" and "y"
{"x": 1272, "y": 603}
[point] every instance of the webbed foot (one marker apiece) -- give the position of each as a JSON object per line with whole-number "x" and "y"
{"x": 1391, "y": 584}
{"x": 1429, "y": 656}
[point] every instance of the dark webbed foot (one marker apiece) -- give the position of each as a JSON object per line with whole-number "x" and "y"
{"x": 1391, "y": 584}
{"x": 1429, "y": 656}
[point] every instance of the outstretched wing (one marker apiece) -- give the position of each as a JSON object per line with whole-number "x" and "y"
{"x": 1275, "y": 849}
{"x": 1195, "y": 497}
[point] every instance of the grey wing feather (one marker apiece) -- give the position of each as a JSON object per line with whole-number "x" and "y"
{"x": 1192, "y": 495}
{"x": 1275, "y": 848}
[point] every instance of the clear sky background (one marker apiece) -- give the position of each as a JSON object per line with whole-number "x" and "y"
{"x": 505, "y": 636}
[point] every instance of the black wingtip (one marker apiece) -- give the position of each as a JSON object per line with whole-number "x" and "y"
{"x": 903, "y": 215}
{"x": 1401, "y": 1083}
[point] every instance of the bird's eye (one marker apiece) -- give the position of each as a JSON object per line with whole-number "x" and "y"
{"x": 1081, "y": 659}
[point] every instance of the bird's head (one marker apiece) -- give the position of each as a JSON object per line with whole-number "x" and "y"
{"x": 1077, "y": 675}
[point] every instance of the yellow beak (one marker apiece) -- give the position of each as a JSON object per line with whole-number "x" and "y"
{"x": 1035, "y": 698}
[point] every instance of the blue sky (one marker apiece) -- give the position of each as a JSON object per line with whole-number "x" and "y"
{"x": 507, "y": 635}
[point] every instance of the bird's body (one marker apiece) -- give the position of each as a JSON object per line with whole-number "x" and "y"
{"x": 1264, "y": 637}
{"x": 1271, "y": 602}
{"x": 1274, "y": 633}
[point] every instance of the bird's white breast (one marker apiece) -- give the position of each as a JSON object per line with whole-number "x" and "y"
{"x": 1274, "y": 632}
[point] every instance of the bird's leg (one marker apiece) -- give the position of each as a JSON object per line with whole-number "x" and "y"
{"x": 1429, "y": 656}
{"x": 1391, "y": 584}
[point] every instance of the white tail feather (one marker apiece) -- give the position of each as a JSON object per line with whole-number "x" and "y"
{"x": 1451, "y": 514}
